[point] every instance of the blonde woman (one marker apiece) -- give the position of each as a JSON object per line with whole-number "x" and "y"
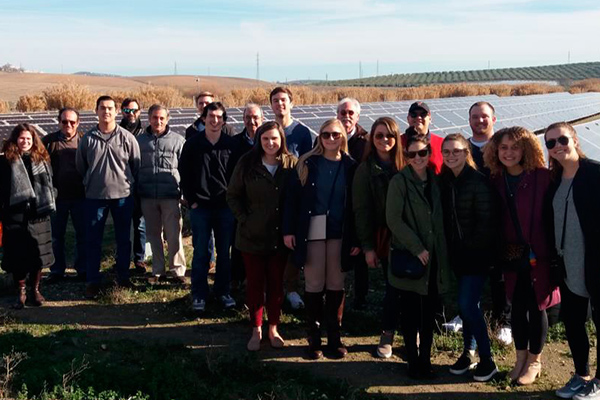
{"x": 319, "y": 227}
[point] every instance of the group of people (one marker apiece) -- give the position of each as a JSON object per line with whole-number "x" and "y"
{"x": 423, "y": 207}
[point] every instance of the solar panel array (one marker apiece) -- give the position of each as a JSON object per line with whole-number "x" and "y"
{"x": 449, "y": 115}
{"x": 589, "y": 139}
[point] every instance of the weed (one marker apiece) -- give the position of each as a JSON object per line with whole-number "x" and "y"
{"x": 10, "y": 362}
{"x": 31, "y": 102}
{"x": 4, "y": 106}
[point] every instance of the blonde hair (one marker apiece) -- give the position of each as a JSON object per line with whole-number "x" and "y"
{"x": 457, "y": 137}
{"x": 533, "y": 155}
{"x": 318, "y": 149}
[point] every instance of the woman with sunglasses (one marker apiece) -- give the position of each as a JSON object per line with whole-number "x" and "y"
{"x": 26, "y": 202}
{"x": 319, "y": 227}
{"x": 516, "y": 162}
{"x": 575, "y": 195}
{"x": 255, "y": 196}
{"x": 414, "y": 216}
{"x": 383, "y": 158}
{"x": 470, "y": 222}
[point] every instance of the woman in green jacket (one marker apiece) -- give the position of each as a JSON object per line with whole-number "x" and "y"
{"x": 383, "y": 158}
{"x": 414, "y": 216}
{"x": 255, "y": 196}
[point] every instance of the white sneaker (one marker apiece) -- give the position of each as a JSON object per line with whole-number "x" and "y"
{"x": 199, "y": 305}
{"x": 295, "y": 300}
{"x": 453, "y": 326}
{"x": 505, "y": 335}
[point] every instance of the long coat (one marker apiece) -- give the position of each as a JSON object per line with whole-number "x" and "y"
{"x": 299, "y": 207}
{"x": 419, "y": 229}
{"x": 531, "y": 204}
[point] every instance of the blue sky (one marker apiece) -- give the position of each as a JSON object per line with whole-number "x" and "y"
{"x": 296, "y": 39}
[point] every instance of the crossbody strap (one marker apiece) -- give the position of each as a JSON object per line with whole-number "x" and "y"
{"x": 564, "y": 227}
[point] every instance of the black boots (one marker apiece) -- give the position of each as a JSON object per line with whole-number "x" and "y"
{"x": 36, "y": 297}
{"x": 334, "y": 309}
{"x": 314, "y": 315}
{"x": 21, "y": 294}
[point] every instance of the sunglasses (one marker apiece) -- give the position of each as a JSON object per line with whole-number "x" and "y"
{"x": 67, "y": 122}
{"x": 564, "y": 140}
{"x": 331, "y": 135}
{"x": 380, "y": 136}
{"x": 347, "y": 112}
{"x": 454, "y": 152}
{"x": 130, "y": 110}
{"x": 415, "y": 114}
{"x": 421, "y": 153}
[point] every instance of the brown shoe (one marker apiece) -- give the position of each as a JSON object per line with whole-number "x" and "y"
{"x": 519, "y": 364}
{"x": 21, "y": 295}
{"x": 36, "y": 297}
{"x": 531, "y": 370}
{"x": 139, "y": 268}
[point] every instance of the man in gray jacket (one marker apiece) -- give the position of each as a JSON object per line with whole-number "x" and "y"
{"x": 159, "y": 192}
{"x": 108, "y": 159}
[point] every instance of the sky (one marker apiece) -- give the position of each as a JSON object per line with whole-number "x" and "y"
{"x": 295, "y": 40}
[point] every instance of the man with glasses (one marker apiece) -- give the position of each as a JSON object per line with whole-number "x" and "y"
{"x": 348, "y": 112}
{"x": 62, "y": 147}
{"x": 131, "y": 112}
{"x": 419, "y": 119}
{"x": 203, "y": 99}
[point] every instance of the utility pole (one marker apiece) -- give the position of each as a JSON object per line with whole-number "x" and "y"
{"x": 326, "y": 77}
{"x": 175, "y": 69}
{"x": 360, "y": 70}
{"x": 208, "y": 71}
{"x": 257, "y": 67}
{"x": 569, "y": 57}
{"x": 377, "y": 74}
{"x": 489, "y": 64}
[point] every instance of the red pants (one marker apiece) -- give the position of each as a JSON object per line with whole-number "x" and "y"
{"x": 264, "y": 274}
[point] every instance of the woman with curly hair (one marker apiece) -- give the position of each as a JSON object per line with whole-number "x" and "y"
{"x": 26, "y": 202}
{"x": 516, "y": 162}
{"x": 383, "y": 158}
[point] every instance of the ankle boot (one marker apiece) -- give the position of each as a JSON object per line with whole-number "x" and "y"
{"x": 519, "y": 364}
{"x": 314, "y": 314}
{"x": 36, "y": 297}
{"x": 531, "y": 370}
{"x": 334, "y": 308}
{"x": 21, "y": 294}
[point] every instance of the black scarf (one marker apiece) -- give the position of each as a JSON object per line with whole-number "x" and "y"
{"x": 135, "y": 127}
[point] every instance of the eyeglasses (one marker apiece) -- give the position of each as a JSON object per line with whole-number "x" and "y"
{"x": 564, "y": 140}
{"x": 415, "y": 114}
{"x": 331, "y": 135}
{"x": 130, "y": 110}
{"x": 380, "y": 136}
{"x": 347, "y": 112}
{"x": 421, "y": 153}
{"x": 67, "y": 122}
{"x": 454, "y": 152}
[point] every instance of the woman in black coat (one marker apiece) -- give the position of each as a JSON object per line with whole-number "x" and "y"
{"x": 470, "y": 223}
{"x": 319, "y": 226}
{"x": 575, "y": 197}
{"x": 26, "y": 202}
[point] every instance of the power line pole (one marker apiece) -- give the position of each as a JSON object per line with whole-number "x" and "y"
{"x": 257, "y": 67}
{"x": 175, "y": 69}
{"x": 377, "y": 74}
{"x": 360, "y": 70}
{"x": 569, "y": 57}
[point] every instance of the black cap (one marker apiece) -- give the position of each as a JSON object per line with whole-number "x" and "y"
{"x": 419, "y": 105}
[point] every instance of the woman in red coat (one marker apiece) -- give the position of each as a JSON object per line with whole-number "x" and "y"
{"x": 516, "y": 161}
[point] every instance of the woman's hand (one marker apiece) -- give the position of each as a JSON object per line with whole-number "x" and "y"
{"x": 371, "y": 258}
{"x": 424, "y": 257}
{"x": 289, "y": 241}
{"x": 354, "y": 251}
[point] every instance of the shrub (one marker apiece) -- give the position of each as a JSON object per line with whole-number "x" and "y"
{"x": 69, "y": 94}
{"x": 586, "y": 85}
{"x": 31, "y": 102}
{"x": 4, "y": 106}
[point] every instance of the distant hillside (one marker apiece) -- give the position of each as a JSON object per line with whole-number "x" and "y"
{"x": 87, "y": 73}
{"x": 560, "y": 73}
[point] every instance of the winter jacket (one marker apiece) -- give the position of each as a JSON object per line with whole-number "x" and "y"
{"x": 67, "y": 181}
{"x": 417, "y": 227}
{"x": 369, "y": 193}
{"x": 299, "y": 206}
{"x": 357, "y": 143}
{"x": 192, "y": 130}
{"x": 108, "y": 163}
{"x": 470, "y": 219}
{"x": 158, "y": 177}
{"x": 531, "y": 202}
{"x": 256, "y": 200}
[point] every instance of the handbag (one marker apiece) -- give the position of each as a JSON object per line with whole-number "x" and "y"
{"x": 317, "y": 226}
{"x": 403, "y": 264}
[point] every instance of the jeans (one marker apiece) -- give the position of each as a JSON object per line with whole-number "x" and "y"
{"x": 221, "y": 221}
{"x": 59, "y": 228}
{"x": 96, "y": 212}
{"x": 474, "y": 326}
{"x": 139, "y": 232}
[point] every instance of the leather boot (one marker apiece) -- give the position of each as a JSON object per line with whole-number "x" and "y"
{"x": 21, "y": 294}
{"x": 334, "y": 309}
{"x": 314, "y": 314}
{"x": 531, "y": 370}
{"x": 36, "y": 297}
{"x": 519, "y": 364}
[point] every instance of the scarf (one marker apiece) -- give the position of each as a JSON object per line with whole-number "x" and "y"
{"x": 37, "y": 190}
{"x": 135, "y": 127}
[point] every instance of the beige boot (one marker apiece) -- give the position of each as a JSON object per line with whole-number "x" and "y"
{"x": 519, "y": 364}
{"x": 531, "y": 370}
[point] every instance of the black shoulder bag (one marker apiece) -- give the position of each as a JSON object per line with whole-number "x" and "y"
{"x": 403, "y": 264}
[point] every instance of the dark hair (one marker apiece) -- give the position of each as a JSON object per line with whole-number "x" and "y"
{"x": 64, "y": 109}
{"x": 254, "y": 156}
{"x": 417, "y": 139}
{"x": 214, "y": 106}
{"x": 280, "y": 89}
{"x": 482, "y": 103}
{"x": 10, "y": 148}
{"x": 553, "y": 165}
{"x": 533, "y": 155}
{"x": 105, "y": 98}
{"x": 128, "y": 101}
{"x": 396, "y": 153}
